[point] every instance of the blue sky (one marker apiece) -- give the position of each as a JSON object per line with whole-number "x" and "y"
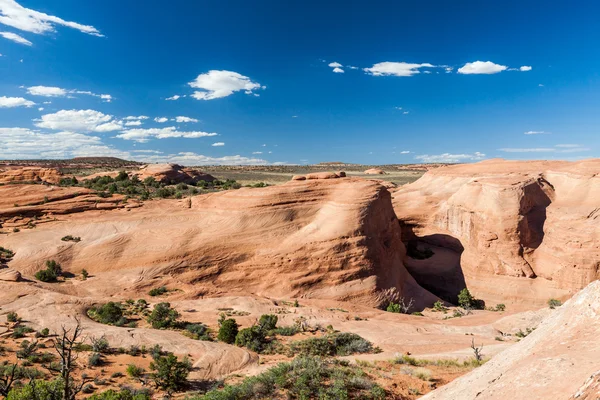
{"x": 299, "y": 81}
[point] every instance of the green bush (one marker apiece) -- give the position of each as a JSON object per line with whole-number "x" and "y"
{"x": 228, "y": 331}
{"x": 285, "y": 331}
{"x": 394, "y": 308}
{"x": 21, "y": 331}
{"x": 334, "y": 344}
{"x": 553, "y": 303}
{"x": 163, "y": 316}
{"x": 465, "y": 299}
{"x": 134, "y": 371}
{"x": 12, "y": 317}
{"x": 70, "y": 238}
{"x": 170, "y": 374}
{"x": 109, "y": 313}
{"x": 197, "y": 331}
{"x": 38, "y": 390}
{"x": 500, "y": 307}
{"x": 158, "y": 291}
{"x": 84, "y": 274}
{"x": 51, "y": 273}
{"x": 252, "y": 338}
{"x": 267, "y": 322}
{"x": 94, "y": 359}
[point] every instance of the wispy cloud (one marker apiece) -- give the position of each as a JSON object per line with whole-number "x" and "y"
{"x": 537, "y": 133}
{"x": 389, "y": 68}
{"x": 218, "y": 144}
{"x": 15, "y": 38}
{"x": 53, "y": 91}
{"x": 450, "y": 158}
{"x": 559, "y": 148}
{"x": 143, "y": 135}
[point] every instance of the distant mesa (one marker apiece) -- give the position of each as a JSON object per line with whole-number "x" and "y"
{"x": 375, "y": 171}
{"x": 173, "y": 173}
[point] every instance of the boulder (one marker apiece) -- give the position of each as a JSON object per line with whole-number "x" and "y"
{"x": 173, "y": 173}
{"x": 374, "y": 171}
{"x": 10, "y": 275}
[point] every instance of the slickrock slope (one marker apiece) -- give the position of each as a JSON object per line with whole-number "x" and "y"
{"x": 374, "y": 171}
{"x": 30, "y": 174}
{"x": 334, "y": 239}
{"x": 553, "y": 362}
{"x": 529, "y": 230}
{"x": 173, "y": 173}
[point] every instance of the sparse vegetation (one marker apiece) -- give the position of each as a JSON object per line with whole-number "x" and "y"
{"x": 109, "y": 313}
{"x": 553, "y": 303}
{"x": 402, "y": 306}
{"x": 134, "y": 371}
{"x": 303, "y": 378}
{"x": 163, "y": 316}
{"x": 12, "y": 317}
{"x": 158, "y": 291}
{"x": 51, "y": 273}
{"x": 333, "y": 344}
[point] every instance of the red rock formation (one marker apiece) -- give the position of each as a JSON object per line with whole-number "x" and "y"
{"x": 374, "y": 171}
{"x": 169, "y": 173}
{"x": 30, "y": 174}
{"x": 530, "y": 230}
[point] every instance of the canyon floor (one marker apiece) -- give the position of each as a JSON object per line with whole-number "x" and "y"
{"x": 326, "y": 254}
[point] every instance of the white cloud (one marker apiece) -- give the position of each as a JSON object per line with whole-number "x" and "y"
{"x": 448, "y": 70}
{"x": 9, "y": 102}
{"x": 481, "y": 67}
{"x": 25, "y": 19}
{"x": 218, "y": 144}
{"x": 450, "y": 158}
{"x": 22, "y": 143}
{"x": 134, "y": 118}
{"x": 47, "y": 91}
{"x": 338, "y": 70}
{"x": 79, "y": 121}
{"x": 525, "y": 68}
{"x": 398, "y": 108}
{"x": 536, "y": 133}
{"x": 143, "y": 135}
{"x": 133, "y": 123}
{"x": 335, "y": 65}
{"x": 161, "y": 120}
{"x": 257, "y": 152}
{"x": 174, "y": 97}
{"x": 294, "y": 116}
{"x": 182, "y": 119}
{"x": 14, "y": 37}
{"x": 540, "y": 85}
{"x": 351, "y": 67}
{"x": 217, "y": 84}
{"x": 404, "y": 152}
{"x": 191, "y": 159}
{"x": 568, "y": 145}
{"x": 147, "y": 151}
{"x": 405, "y": 112}
{"x": 53, "y": 91}
{"x": 396, "y": 68}
{"x": 40, "y": 108}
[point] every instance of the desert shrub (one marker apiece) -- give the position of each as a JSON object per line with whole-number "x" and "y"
{"x": 134, "y": 371}
{"x": 158, "y": 291}
{"x": 228, "y": 331}
{"x": 285, "y": 331}
{"x": 408, "y": 360}
{"x": 88, "y": 388}
{"x": 122, "y": 176}
{"x": 43, "y": 333}
{"x": 500, "y": 307}
{"x": 393, "y": 307}
{"x": 12, "y": 317}
{"x": 21, "y": 331}
{"x": 134, "y": 350}
{"x": 252, "y": 338}
{"x": 94, "y": 359}
{"x": 333, "y": 344}
{"x": 116, "y": 375}
{"x": 38, "y": 389}
{"x": 84, "y": 274}
{"x": 267, "y": 322}
{"x": 170, "y": 374}
{"x": 51, "y": 273}
{"x": 156, "y": 351}
{"x": 27, "y": 349}
{"x": 197, "y": 331}
{"x": 465, "y": 299}
{"x": 109, "y": 313}
{"x": 163, "y": 316}
{"x": 439, "y": 306}
{"x": 553, "y": 303}
{"x": 303, "y": 378}
{"x": 100, "y": 345}
{"x": 123, "y": 394}
{"x": 70, "y": 238}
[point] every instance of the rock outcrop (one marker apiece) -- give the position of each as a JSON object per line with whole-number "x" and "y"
{"x": 9, "y": 275}
{"x": 518, "y": 230}
{"x": 173, "y": 173}
{"x": 320, "y": 175}
{"x": 30, "y": 174}
{"x": 557, "y": 360}
{"x": 330, "y": 239}
{"x": 374, "y": 171}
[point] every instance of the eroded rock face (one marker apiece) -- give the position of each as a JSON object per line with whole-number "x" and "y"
{"x": 331, "y": 239}
{"x": 173, "y": 173}
{"x": 522, "y": 230}
{"x": 320, "y": 175}
{"x": 559, "y": 360}
{"x": 30, "y": 174}
{"x": 9, "y": 275}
